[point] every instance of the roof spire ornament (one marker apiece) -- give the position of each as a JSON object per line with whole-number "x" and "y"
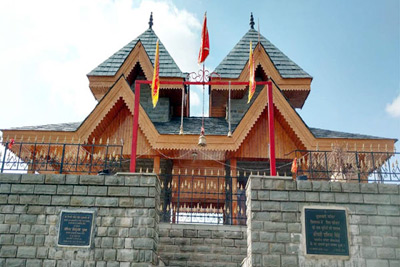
{"x": 252, "y": 21}
{"x": 151, "y": 21}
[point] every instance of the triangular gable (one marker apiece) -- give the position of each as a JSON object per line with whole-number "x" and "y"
{"x": 100, "y": 85}
{"x": 295, "y": 89}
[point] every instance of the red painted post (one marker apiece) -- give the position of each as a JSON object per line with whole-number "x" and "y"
{"x": 132, "y": 167}
{"x": 271, "y": 131}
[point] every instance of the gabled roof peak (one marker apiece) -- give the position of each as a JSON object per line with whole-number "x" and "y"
{"x": 168, "y": 67}
{"x": 233, "y": 64}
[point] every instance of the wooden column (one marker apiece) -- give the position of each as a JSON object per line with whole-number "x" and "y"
{"x": 156, "y": 165}
{"x": 234, "y": 191}
{"x": 132, "y": 167}
{"x": 271, "y": 131}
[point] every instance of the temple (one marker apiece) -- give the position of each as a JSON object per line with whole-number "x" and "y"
{"x": 237, "y": 133}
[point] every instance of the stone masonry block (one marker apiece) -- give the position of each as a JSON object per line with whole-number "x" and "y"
{"x": 72, "y": 179}
{"x": 376, "y": 199}
{"x": 289, "y": 206}
{"x": 290, "y": 185}
{"x": 97, "y": 190}
{"x": 26, "y": 252}
{"x": 388, "y": 189}
{"x": 279, "y": 195}
{"x": 351, "y": 187}
{"x": 126, "y": 202}
{"x": 55, "y": 179}
{"x": 297, "y": 196}
{"x": 147, "y": 180}
{"x": 82, "y": 201}
{"x": 263, "y": 195}
{"x": 321, "y": 186}
{"x": 106, "y": 201}
{"x": 369, "y": 188}
{"x": 376, "y": 263}
{"x": 114, "y": 180}
{"x": 80, "y": 190}
{"x": 255, "y": 182}
{"x": 46, "y": 189}
{"x": 304, "y": 185}
{"x": 356, "y": 198}
{"x": 390, "y": 210}
{"x": 312, "y": 196}
{"x": 395, "y": 199}
{"x": 5, "y": 188}
{"x": 327, "y": 197}
{"x": 65, "y": 189}
{"x": 32, "y": 179}
{"x": 60, "y": 200}
{"x": 271, "y": 260}
{"x": 139, "y": 191}
{"x": 22, "y": 188}
{"x": 132, "y": 180}
{"x": 271, "y": 206}
{"x": 366, "y": 209}
{"x": 91, "y": 180}
{"x": 10, "y": 178}
{"x": 118, "y": 191}
{"x": 342, "y": 197}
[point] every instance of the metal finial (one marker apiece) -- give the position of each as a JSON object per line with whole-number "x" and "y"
{"x": 252, "y": 21}
{"x": 151, "y": 20}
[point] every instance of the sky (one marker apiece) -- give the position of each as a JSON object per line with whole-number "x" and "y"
{"x": 350, "y": 48}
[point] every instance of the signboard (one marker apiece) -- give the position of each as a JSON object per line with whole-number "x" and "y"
{"x": 325, "y": 231}
{"x": 75, "y": 228}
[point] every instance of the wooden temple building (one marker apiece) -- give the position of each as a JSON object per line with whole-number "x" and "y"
{"x": 160, "y": 146}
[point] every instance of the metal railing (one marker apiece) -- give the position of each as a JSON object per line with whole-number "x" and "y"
{"x": 348, "y": 166}
{"x": 38, "y": 157}
{"x": 202, "y": 199}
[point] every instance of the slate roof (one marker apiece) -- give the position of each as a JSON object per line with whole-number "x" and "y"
{"x": 233, "y": 64}
{"x": 321, "y": 133}
{"x": 192, "y": 125}
{"x": 168, "y": 67}
{"x": 60, "y": 127}
{"x": 212, "y": 126}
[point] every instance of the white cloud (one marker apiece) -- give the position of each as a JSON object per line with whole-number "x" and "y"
{"x": 394, "y": 108}
{"x": 48, "y": 47}
{"x": 194, "y": 98}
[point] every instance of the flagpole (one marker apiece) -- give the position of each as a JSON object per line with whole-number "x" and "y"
{"x": 229, "y": 111}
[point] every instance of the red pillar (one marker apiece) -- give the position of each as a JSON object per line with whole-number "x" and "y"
{"x": 132, "y": 167}
{"x": 271, "y": 131}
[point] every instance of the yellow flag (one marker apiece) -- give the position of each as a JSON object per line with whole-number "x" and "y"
{"x": 155, "y": 85}
{"x": 252, "y": 80}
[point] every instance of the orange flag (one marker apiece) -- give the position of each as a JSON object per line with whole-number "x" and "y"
{"x": 252, "y": 80}
{"x": 205, "y": 42}
{"x": 294, "y": 166}
{"x": 155, "y": 85}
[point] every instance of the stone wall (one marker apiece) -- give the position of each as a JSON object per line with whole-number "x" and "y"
{"x": 202, "y": 245}
{"x": 126, "y": 219}
{"x": 275, "y": 228}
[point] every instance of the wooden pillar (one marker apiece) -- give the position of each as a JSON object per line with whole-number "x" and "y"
{"x": 132, "y": 167}
{"x": 271, "y": 131}
{"x": 234, "y": 191}
{"x": 156, "y": 164}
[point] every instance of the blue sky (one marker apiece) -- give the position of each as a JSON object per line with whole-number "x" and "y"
{"x": 351, "y": 48}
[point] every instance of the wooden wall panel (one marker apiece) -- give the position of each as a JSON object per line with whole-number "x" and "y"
{"x": 256, "y": 143}
{"x": 117, "y": 126}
